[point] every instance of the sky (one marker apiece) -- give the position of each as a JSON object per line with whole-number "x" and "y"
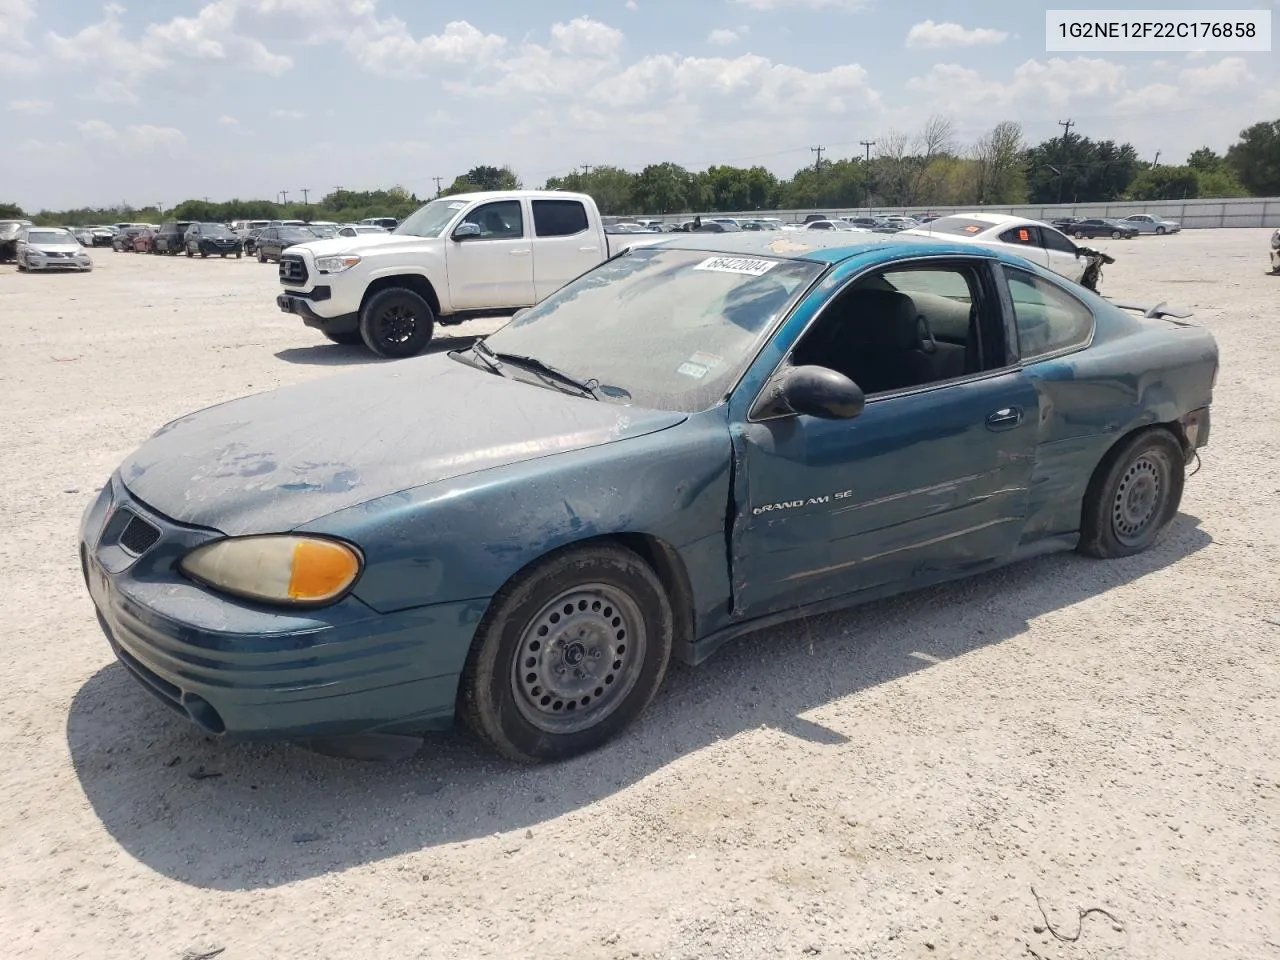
{"x": 157, "y": 101}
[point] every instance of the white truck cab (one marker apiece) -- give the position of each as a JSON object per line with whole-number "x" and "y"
{"x": 459, "y": 257}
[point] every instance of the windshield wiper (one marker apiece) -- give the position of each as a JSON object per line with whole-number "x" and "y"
{"x": 481, "y": 351}
{"x": 589, "y": 388}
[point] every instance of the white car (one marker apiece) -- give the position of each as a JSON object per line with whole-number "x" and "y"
{"x": 1036, "y": 241}
{"x": 50, "y": 248}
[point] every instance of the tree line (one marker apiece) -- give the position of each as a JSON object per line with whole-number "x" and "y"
{"x": 921, "y": 169}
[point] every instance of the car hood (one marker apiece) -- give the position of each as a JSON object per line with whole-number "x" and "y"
{"x": 368, "y": 243}
{"x": 55, "y": 247}
{"x": 275, "y": 460}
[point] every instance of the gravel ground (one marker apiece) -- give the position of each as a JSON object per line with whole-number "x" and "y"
{"x": 889, "y": 782}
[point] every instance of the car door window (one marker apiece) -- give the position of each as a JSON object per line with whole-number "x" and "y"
{"x": 1049, "y": 320}
{"x": 1053, "y": 240}
{"x": 559, "y": 218}
{"x": 500, "y": 220}
{"x": 1025, "y": 236}
{"x": 907, "y": 328}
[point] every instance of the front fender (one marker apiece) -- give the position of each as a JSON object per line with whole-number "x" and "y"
{"x": 462, "y": 539}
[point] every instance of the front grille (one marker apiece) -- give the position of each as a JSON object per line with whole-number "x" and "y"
{"x": 293, "y": 270}
{"x": 138, "y": 536}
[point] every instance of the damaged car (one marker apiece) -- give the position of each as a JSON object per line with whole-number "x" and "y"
{"x": 695, "y": 439}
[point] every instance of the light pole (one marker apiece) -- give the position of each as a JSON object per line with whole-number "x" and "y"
{"x": 868, "y": 144}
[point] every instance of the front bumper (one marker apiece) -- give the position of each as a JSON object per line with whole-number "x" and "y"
{"x": 223, "y": 250}
{"x": 58, "y": 263}
{"x": 255, "y": 672}
{"x": 301, "y": 304}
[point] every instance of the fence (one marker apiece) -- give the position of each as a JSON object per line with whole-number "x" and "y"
{"x": 1192, "y": 214}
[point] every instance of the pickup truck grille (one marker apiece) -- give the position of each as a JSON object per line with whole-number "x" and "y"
{"x": 293, "y": 269}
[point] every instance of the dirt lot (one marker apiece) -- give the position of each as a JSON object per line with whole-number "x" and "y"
{"x": 890, "y": 782}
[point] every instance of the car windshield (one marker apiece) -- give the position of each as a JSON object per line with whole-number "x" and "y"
{"x": 961, "y": 226}
{"x": 296, "y": 234}
{"x": 323, "y": 231}
{"x": 215, "y": 230}
{"x": 49, "y": 236}
{"x": 663, "y": 328}
{"x": 430, "y": 221}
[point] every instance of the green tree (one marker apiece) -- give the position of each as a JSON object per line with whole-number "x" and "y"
{"x": 666, "y": 188}
{"x": 483, "y": 178}
{"x": 999, "y": 173}
{"x": 1166, "y": 183}
{"x": 1221, "y": 184}
{"x": 11, "y": 211}
{"x": 1076, "y": 169}
{"x": 612, "y": 188}
{"x": 1204, "y": 160}
{"x": 1255, "y": 158}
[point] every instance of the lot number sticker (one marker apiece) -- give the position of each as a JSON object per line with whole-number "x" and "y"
{"x": 750, "y": 266}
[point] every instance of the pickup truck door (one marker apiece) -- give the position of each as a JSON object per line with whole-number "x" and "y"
{"x": 494, "y": 267}
{"x": 565, "y": 245}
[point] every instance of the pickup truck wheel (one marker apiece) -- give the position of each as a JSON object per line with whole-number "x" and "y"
{"x": 1133, "y": 496}
{"x": 568, "y": 654}
{"x": 396, "y": 323}
{"x": 348, "y": 338}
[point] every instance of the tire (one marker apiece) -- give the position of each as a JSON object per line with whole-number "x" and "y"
{"x": 569, "y": 613}
{"x": 348, "y": 338}
{"x": 223, "y": 255}
{"x": 239, "y": 254}
{"x": 1133, "y": 495}
{"x": 262, "y": 257}
{"x": 1078, "y": 235}
{"x": 189, "y": 253}
{"x": 204, "y": 254}
{"x": 396, "y": 323}
{"x": 1115, "y": 234}
{"x": 1160, "y": 231}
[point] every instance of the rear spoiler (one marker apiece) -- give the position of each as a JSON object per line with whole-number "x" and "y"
{"x": 1159, "y": 312}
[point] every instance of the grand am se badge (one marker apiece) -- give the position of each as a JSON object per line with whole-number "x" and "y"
{"x": 807, "y": 502}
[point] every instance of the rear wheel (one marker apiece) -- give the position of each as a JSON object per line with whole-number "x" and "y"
{"x": 570, "y": 652}
{"x": 1133, "y": 496}
{"x": 348, "y": 338}
{"x": 396, "y": 323}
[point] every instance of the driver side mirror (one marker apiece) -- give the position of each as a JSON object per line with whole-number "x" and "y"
{"x": 811, "y": 391}
{"x": 466, "y": 229}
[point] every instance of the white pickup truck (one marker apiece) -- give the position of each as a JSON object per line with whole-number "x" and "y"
{"x": 457, "y": 258}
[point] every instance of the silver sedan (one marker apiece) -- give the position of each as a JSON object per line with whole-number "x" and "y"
{"x": 50, "y": 248}
{"x": 1147, "y": 223}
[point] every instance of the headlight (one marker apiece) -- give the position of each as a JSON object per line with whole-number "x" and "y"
{"x": 283, "y": 569}
{"x": 336, "y": 264}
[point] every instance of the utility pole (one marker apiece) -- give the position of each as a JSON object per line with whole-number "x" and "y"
{"x": 285, "y": 194}
{"x": 586, "y": 168}
{"x": 1156, "y": 161}
{"x": 1066, "y": 126}
{"x": 305, "y": 192}
{"x": 867, "y": 145}
{"x": 438, "y": 180}
{"x": 817, "y": 164}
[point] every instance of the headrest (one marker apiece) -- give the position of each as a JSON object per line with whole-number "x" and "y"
{"x": 883, "y": 318}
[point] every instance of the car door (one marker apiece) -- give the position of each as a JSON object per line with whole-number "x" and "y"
{"x": 270, "y": 242}
{"x": 1063, "y": 256}
{"x": 1024, "y": 240}
{"x": 493, "y": 267}
{"x": 928, "y": 481}
{"x": 564, "y": 246}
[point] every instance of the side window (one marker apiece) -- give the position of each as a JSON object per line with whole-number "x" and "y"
{"x": 500, "y": 220}
{"x": 904, "y": 328}
{"x": 1023, "y": 236}
{"x": 1049, "y": 319}
{"x": 559, "y": 218}
{"x": 1053, "y": 240}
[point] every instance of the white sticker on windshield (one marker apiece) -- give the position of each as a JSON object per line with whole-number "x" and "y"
{"x": 695, "y": 370}
{"x": 457, "y": 205}
{"x": 751, "y": 266}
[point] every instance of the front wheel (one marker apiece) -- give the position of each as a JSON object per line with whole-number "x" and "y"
{"x": 570, "y": 652}
{"x": 1159, "y": 231}
{"x": 189, "y": 253}
{"x": 1078, "y": 235}
{"x": 396, "y": 323}
{"x": 239, "y": 254}
{"x": 262, "y": 257}
{"x": 1133, "y": 496}
{"x": 1115, "y": 234}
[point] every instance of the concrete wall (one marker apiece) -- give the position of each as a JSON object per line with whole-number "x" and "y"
{"x": 1249, "y": 212}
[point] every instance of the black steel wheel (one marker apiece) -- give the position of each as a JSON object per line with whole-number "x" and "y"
{"x": 1134, "y": 495}
{"x": 396, "y": 322}
{"x": 569, "y": 653}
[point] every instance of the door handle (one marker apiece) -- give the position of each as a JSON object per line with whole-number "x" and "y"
{"x": 1004, "y": 418}
{"x": 519, "y": 253}
{"x": 588, "y": 249}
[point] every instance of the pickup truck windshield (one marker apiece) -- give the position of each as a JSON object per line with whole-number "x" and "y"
{"x": 666, "y": 329}
{"x": 430, "y": 221}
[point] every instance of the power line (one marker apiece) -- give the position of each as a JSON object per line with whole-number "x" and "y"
{"x": 585, "y": 168}
{"x": 868, "y": 144}
{"x": 817, "y": 164}
{"x": 438, "y": 181}
{"x": 1066, "y": 126}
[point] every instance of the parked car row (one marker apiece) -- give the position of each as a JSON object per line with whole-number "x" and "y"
{"x": 264, "y": 239}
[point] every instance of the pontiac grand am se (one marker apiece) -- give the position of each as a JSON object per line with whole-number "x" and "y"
{"x": 691, "y": 441}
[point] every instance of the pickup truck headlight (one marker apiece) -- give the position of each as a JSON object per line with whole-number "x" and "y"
{"x": 333, "y": 265}
{"x": 283, "y": 569}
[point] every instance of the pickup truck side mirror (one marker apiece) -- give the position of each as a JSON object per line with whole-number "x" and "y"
{"x": 466, "y": 229}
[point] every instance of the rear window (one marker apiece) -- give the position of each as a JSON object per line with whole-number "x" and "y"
{"x": 960, "y": 226}
{"x": 559, "y": 218}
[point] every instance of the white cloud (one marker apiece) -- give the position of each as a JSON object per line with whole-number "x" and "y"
{"x": 930, "y": 35}
{"x": 632, "y": 5}
{"x": 227, "y": 120}
{"x": 14, "y": 17}
{"x": 1229, "y": 73}
{"x": 30, "y": 106}
{"x": 113, "y": 91}
{"x": 722, "y": 37}
{"x": 387, "y": 47}
{"x": 139, "y": 138}
{"x": 288, "y": 114}
{"x": 803, "y": 4}
{"x": 585, "y": 37}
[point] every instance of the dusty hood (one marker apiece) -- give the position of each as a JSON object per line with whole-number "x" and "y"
{"x": 275, "y": 460}
{"x": 365, "y": 242}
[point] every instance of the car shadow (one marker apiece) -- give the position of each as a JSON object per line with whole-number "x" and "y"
{"x": 237, "y": 816}
{"x": 341, "y": 355}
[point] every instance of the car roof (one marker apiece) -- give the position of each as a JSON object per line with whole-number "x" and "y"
{"x": 820, "y": 246}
